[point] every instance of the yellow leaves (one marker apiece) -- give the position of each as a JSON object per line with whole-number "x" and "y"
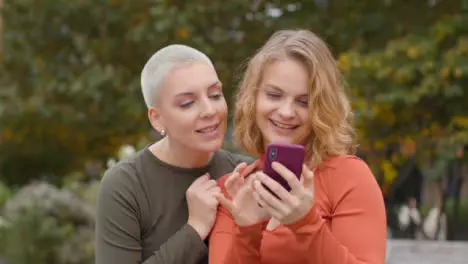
{"x": 115, "y": 2}
{"x": 435, "y": 131}
{"x": 384, "y": 113}
{"x": 183, "y": 33}
{"x": 425, "y": 132}
{"x": 401, "y": 76}
{"x": 445, "y": 73}
{"x": 385, "y": 72}
{"x": 343, "y": 62}
{"x": 461, "y": 120}
{"x": 389, "y": 172}
{"x": 463, "y": 45}
{"x": 379, "y": 145}
{"x": 7, "y": 134}
{"x": 458, "y": 73}
{"x": 413, "y": 52}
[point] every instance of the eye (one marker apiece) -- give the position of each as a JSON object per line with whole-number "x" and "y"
{"x": 303, "y": 102}
{"x": 273, "y": 95}
{"x": 216, "y": 96}
{"x": 185, "y": 104}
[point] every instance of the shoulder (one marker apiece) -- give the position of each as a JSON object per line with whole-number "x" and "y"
{"x": 121, "y": 178}
{"x": 235, "y": 158}
{"x": 348, "y": 163}
{"x": 348, "y": 181}
{"x": 347, "y": 171}
{"x": 225, "y": 162}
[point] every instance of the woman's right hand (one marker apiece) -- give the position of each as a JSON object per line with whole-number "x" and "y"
{"x": 243, "y": 206}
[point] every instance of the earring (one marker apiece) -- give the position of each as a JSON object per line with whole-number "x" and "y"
{"x": 163, "y": 132}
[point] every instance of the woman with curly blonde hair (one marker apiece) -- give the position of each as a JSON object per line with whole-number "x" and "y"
{"x": 292, "y": 92}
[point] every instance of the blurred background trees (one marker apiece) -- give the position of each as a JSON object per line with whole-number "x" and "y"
{"x": 70, "y": 94}
{"x": 70, "y": 70}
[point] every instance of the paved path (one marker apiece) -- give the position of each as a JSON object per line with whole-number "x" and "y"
{"x": 426, "y": 252}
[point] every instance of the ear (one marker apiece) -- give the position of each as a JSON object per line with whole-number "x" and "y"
{"x": 156, "y": 121}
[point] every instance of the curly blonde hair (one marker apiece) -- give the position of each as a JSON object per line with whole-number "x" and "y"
{"x": 333, "y": 131}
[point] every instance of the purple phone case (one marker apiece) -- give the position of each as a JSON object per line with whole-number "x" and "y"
{"x": 289, "y": 155}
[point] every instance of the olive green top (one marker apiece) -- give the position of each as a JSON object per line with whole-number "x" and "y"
{"x": 142, "y": 212}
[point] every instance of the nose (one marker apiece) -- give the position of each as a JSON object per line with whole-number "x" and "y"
{"x": 208, "y": 109}
{"x": 286, "y": 110}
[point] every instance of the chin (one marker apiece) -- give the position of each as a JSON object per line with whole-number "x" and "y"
{"x": 212, "y": 146}
{"x": 274, "y": 138}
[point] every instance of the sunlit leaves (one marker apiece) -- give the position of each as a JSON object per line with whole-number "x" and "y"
{"x": 421, "y": 80}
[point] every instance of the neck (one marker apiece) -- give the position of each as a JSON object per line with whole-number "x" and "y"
{"x": 178, "y": 155}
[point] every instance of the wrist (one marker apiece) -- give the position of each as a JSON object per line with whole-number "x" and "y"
{"x": 199, "y": 228}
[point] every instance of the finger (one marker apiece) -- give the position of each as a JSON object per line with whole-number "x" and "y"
{"x": 233, "y": 184}
{"x": 259, "y": 200}
{"x": 274, "y": 186}
{"x": 208, "y": 184}
{"x": 308, "y": 176}
{"x": 231, "y": 180}
{"x": 226, "y": 203}
{"x": 247, "y": 171}
{"x": 269, "y": 199}
{"x": 197, "y": 183}
{"x": 271, "y": 211}
{"x": 214, "y": 190}
{"x": 235, "y": 180}
{"x": 240, "y": 168}
{"x": 292, "y": 180}
{"x": 200, "y": 180}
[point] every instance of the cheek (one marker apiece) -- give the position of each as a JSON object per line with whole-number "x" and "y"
{"x": 261, "y": 114}
{"x": 305, "y": 118}
{"x": 222, "y": 108}
{"x": 263, "y": 106}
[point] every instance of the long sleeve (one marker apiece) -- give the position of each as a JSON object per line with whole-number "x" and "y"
{"x": 357, "y": 233}
{"x": 118, "y": 237}
{"x": 232, "y": 244}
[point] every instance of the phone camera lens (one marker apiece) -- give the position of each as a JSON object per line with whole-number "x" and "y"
{"x": 273, "y": 153}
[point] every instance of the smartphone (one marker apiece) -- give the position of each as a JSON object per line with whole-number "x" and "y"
{"x": 289, "y": 155}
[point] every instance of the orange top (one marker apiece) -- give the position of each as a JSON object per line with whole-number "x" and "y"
{"x": 346, "y": 225}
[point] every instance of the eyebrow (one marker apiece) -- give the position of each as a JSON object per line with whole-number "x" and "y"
{"x": 214, "y": 84}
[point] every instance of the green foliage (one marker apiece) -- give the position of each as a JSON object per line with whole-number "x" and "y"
{"x": 32, "y": 237}
{"x": 5, "y": 193}
{"x": 70, "y": 84}
{"x": 70, "y": 70}
{"x": 42, "y": 224}
{"x": 413, "y": 90}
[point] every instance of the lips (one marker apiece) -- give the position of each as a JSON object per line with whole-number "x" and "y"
{"x": 283, "y": 125}
{"x": 207, "y": 129}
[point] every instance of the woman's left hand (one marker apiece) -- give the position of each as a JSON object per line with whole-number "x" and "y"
{"x": 291, "y": 206}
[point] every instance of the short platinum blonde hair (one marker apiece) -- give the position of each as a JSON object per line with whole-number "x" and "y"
{"x": 162, "y": 63}
{"x": 333, "y": 132}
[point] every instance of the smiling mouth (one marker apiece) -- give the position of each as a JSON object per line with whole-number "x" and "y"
{"x": 283, "y": 126}
{"x": 207, "y": 129}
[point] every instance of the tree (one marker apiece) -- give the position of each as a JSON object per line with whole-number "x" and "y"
{"x": 70, "y": 69}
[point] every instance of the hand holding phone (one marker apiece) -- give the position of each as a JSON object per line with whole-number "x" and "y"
{"x": 289, "y": 155}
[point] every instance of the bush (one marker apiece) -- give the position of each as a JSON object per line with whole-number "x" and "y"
{"x": 5, "y": 193}
{"x": 46, "y": 225}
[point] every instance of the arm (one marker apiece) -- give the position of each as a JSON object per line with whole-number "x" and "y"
{"x": 118, "y": 238}
{"x": 233, "y": 244}
{"x": 357, "y": 234}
